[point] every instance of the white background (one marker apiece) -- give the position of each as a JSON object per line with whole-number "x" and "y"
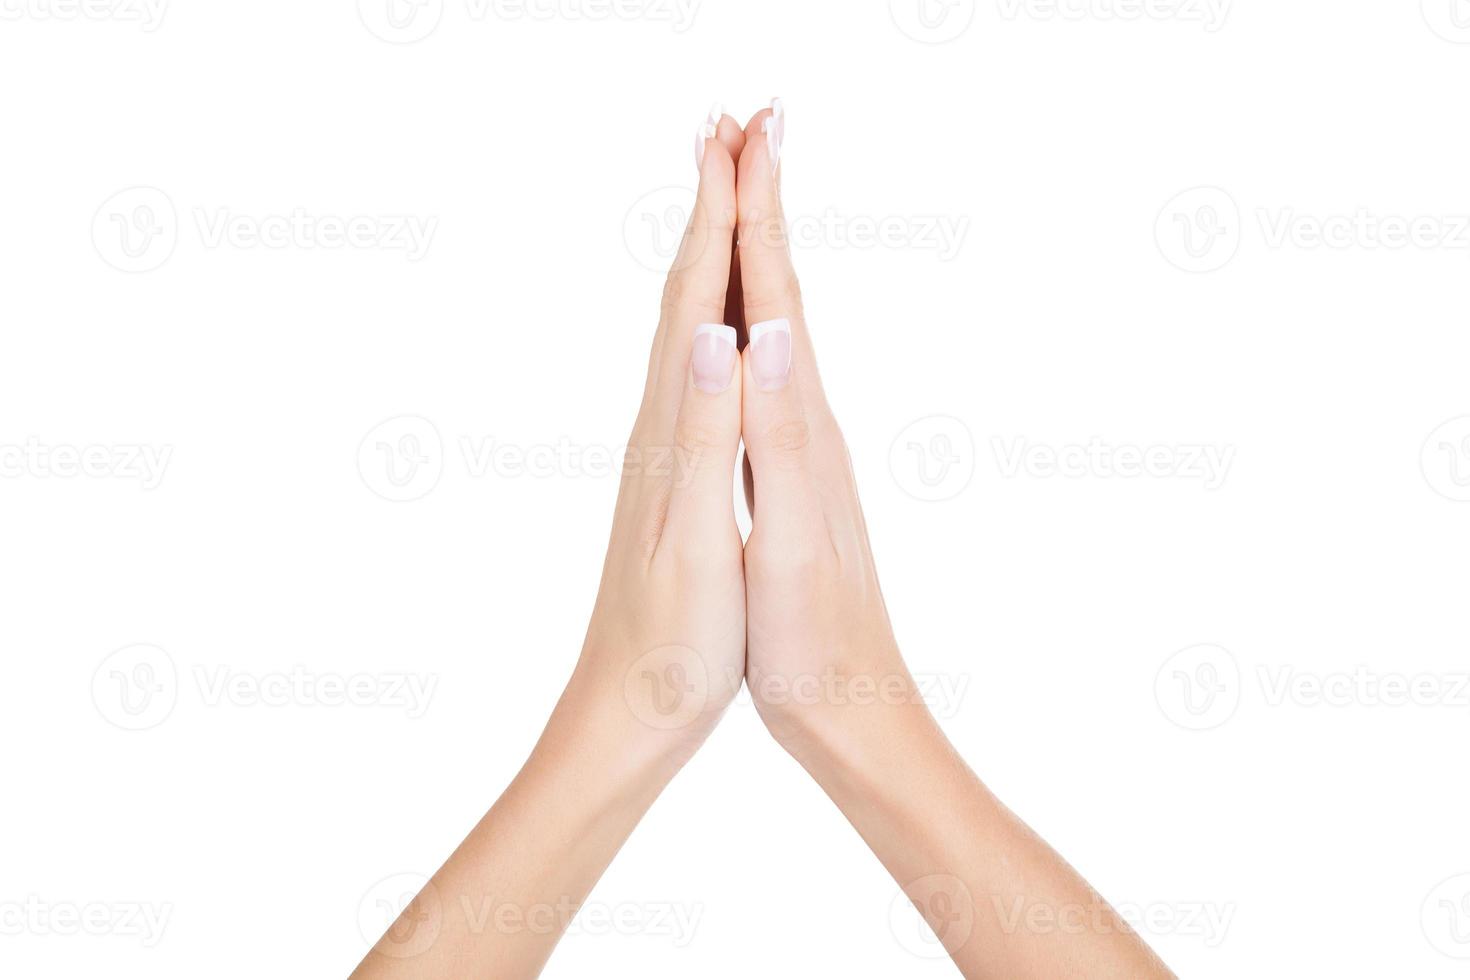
{"x": 545, "y": 153}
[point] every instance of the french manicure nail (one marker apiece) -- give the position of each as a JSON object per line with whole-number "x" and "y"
{"x": 706, "y": 132}
{"x": 770, "y": 357}
{"x": 713, "y": 360}
{"x": 775, "y": 129}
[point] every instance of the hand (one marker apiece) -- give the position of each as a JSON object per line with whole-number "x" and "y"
{"x": 820, "y": 647}
{"x": 664, "y": 654}
{"x": 682, "y": 613}
{"x": 667, "y": 636}
{"x": 825, "y": 671}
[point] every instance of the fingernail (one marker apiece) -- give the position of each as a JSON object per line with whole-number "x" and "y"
{"x": 713, "y": 360}
{"x": 770, "y": 357}
{"x": 775, "y": 129}
{"x": 706, "y": 132}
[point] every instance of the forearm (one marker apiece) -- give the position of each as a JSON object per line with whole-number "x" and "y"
{"x": 500, "y": 903}
{"x": 1002, "y": 901}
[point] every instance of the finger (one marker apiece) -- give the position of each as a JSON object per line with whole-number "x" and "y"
{"x": 718, "y": 126}
{"x": 698, "y": 282}
{"x": 706, "y": 437}
{"x": 776, "y": 424}
{"x": 769, "y": 286}
{"x": 795, "y": 450}
{"x": 778, "y": 437}
{"x": 769, "y": 281}
{"x": 726, "y": 130}
{"x": 730, "y": 134}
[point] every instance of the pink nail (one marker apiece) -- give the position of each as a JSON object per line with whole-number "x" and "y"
{"x": 713, "y": 361}
{"x": 770, "y": 358}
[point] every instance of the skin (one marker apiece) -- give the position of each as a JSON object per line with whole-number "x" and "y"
{"x": 685, "y": 614}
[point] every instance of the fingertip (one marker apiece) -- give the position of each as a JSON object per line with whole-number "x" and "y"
{"x": 717, "y": 193}
{"x": 765, "y": 136}
{"x": 716, "y": 160}
{"x": 717, "y": 145}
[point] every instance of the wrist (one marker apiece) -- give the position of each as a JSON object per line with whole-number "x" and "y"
{"x": 861, "y": 729}
{"x": 602, "y": 726}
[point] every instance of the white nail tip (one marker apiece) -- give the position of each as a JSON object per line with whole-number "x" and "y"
{"x": 719, "y": 330}
{"x": 775, "y": 129}
{"x": 707, "y": 131}
{"x": 759, "y": 330}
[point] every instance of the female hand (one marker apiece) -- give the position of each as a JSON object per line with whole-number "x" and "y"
{"x": 663, "y": 656}
{"x": 826, "y": 673}
{"x": 819, "y": 639}
{"x": 666, "y": 644}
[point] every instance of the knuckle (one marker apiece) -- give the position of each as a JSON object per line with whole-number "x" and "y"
{"x": 697, "y": 435}
{"x": 789, "y": 438}
{"x": 685, "y": 294}
{"x": 778, "y": 291}
{"x": 675, "y": 289}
